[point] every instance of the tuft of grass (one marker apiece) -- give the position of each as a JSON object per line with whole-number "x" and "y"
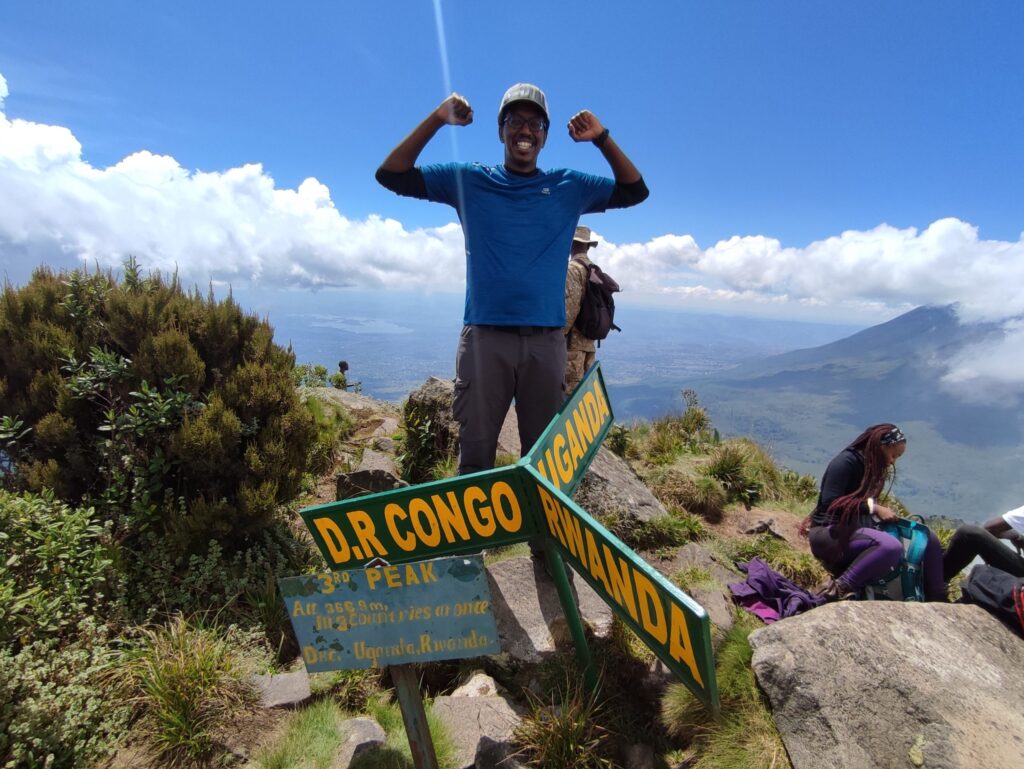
{"x": 693, "y": 576}
{"x": 185, "y": 681}
{"x": 746, "y": 735}
{"x": 565, "y": 732}
{"x": 447, "y": 467}
{"x": 746, "y": 471}
{"x": 351, "y": 689}
{"x": 395, "y": 754}
{"x": 704, "y": 496}
{"x": 311, "y": 739}
{"x": 499, "y": 554}
{"x": 801, "y": 568}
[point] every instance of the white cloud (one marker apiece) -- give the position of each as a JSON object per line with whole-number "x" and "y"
{"x": 238, "y": 226}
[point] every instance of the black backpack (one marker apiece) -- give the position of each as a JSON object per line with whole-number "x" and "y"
{"x": 998, "y": 593}
{"x": 597, "y": 307}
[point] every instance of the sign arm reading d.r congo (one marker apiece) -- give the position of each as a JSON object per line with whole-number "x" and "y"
{"x": 457, "y": 515}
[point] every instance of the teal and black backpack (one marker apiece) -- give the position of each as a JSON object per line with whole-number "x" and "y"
{"x": 906, "y": 581}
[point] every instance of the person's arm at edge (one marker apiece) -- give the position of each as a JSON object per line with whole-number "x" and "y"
{"x": 630, "y": 188}
{"x": 454, "y": 110}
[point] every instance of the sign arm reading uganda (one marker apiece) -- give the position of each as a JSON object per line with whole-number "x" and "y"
{"x": 511, "y": 504}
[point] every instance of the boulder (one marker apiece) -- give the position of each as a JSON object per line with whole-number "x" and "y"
{"x": 529, "y": 615}
{"x": 283, "y": 690}
{"x": 611, "y": 489}
{"x": 478, "y": 725}
{"x": 376, "y": 460}
{"x": 874, "y": 685}
{"x": 361, "y": 735}
{"x": 362, "y": 482}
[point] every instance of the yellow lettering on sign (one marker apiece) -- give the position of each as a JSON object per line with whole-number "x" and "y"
{"x": 579, "y": 418}
{"x": 590, "y": 404}
{"x": 392, "y": 514}
{"x": 391, "y": 576}
{"x": 596, "y": 568}
{"x": 618, "y": 578}
{"x": 333, "y": 538}
{"x": 602, "y": 403}
{"x": 575, "y": 449}
{"x": 424, "y": 522}
{"x": 652, "y": 613}
{"x": 552, "y": 474}
{"x": 427, "y": 572}
{"x": 410, "y": 576}
{"x": 506, "y": 507}
{"x": 573, "y": 532}
{"x": 480, "y": 519}
{"x": 373, "y": 577}
{"x": 679, "y": 647}
{"x": 551, "y": 515}
{"x": 563, "y": 462}
{"x": 450, "y": 515}
{"x": 365, "y": 531}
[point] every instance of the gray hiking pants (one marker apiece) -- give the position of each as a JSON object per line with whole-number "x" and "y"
{"x": 493, "y": 366}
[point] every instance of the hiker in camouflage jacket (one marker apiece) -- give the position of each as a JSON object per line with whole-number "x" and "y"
{"x": 580, "y": 350}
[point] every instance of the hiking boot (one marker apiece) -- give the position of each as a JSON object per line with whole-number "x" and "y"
{"x": 835, "y": 590}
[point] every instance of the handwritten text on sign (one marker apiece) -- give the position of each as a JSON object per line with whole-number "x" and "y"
{"x": 414, "y": 612}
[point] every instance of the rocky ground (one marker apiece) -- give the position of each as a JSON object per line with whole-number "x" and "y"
{"x": 851, "y": 685}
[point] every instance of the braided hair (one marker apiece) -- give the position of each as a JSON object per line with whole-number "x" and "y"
{"x": 876, "y": 469}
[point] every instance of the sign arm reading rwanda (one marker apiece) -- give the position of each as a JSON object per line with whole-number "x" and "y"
{"x": 512, "y": 504}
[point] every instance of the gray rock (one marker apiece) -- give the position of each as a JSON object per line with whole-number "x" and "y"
{"x": 361, "y": 735}
{"x": 491, "y": 754}
{"x": 529, "y": 615}
{"x": 471, "y": 720}
{"x": 365, "y": 482}
{"x": 639, "y": 756}
{"x": 283, "y": 690}
{"x": 611, "y": 488}
{"x": 860, "y": 685}
{"x": 479, "y": 685}
{"x": 375, "y": 460}
{"x": 714, "y": 597}
{"x": 385, "y": 444}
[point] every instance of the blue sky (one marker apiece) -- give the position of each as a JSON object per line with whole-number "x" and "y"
{"x": 818, "y": 160}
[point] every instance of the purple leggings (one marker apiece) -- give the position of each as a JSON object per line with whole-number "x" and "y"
{"x": 870, "y": 554}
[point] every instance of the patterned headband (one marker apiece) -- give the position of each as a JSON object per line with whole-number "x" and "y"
{"x": 894, "y": 436}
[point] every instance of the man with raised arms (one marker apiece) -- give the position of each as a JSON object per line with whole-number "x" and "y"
{"x": 518, "y": 222}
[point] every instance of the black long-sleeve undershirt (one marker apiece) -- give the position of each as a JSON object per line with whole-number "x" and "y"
{"x": 411, "y": 184}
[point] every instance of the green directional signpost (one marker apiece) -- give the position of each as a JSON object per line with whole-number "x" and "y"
{"x": 512, "y": 504}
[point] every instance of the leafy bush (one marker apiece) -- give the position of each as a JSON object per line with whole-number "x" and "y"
{"x": 800, "y": 487}
{"x": 166, "y": 410}
{"x": 618, "y": 440}
{"x": 185, "y": 681}
{"x": 431, "y": 438}
{"x": 54, "y": 567}
{"x": 54, "y": 710}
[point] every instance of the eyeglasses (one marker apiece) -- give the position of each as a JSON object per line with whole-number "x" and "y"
{"x": 536, "y": 124}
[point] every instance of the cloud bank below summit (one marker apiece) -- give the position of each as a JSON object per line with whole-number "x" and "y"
{"x": 238, "y": 226}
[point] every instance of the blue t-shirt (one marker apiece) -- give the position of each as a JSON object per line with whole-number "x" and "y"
{"x": 518, "y": 232}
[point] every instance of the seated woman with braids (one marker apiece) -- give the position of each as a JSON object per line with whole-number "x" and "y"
{"x": 843, "y": 533}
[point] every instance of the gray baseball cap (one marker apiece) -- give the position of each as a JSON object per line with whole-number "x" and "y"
{"x": 524, "y": 92}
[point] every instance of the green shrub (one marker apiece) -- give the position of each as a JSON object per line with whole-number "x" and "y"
{"x": 164, "y": 409}
{"x": 185, "y": 682}
{"x": 618, "y": 440}
{"x": 746, "y": 472}
{"x": 431, "y": 439}
{"x": 800, "y": 487}
{"x": 309, "y": 375}
{"x": 704, "y": 496}
{"x": 55, "y": 711}
{"x": 565, "y": 732}
{"x": 55, "y": 567}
